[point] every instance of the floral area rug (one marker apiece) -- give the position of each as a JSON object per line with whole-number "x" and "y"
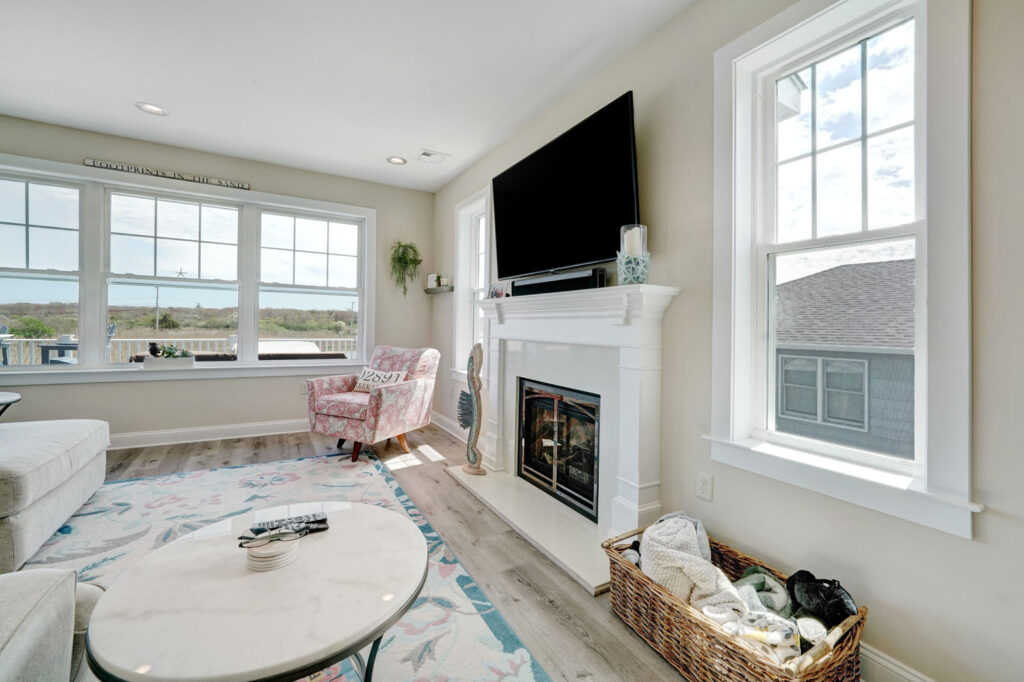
{"x": 452, "y": 631}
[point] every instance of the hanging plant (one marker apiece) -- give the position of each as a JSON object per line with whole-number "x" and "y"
{"x": 405, "y": 264}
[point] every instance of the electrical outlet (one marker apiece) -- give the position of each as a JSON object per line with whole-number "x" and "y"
{"x": 705, "y": 483}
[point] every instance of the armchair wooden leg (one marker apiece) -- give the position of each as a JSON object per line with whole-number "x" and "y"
{"x": 403, "y": 443}
{"x": 356, "y": 447}
{"x": 341, "y": 442}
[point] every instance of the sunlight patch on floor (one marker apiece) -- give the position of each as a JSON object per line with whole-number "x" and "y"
{"x": 402, "y": 462}
{"x": 430, "y": 453}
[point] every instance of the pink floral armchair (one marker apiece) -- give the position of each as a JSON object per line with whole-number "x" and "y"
{"x": 385, "y": 412}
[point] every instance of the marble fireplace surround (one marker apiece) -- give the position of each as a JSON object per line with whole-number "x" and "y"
{"x": 626, "y": 322}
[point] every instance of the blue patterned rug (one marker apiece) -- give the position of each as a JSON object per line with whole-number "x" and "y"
{"x": 452, "y": 632}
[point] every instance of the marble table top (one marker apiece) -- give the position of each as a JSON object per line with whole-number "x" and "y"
{"x": 191, "y": 610}
{"x": 6, "y": 397}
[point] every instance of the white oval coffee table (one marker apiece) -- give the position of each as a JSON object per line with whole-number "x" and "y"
{"x": 192, "y": 611}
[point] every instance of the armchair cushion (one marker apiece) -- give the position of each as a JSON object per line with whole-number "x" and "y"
{"x": 37, "y": 618}
{"x": 352, "y": 405}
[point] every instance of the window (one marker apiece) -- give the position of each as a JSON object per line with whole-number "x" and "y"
{"x": 39, "y": 268}
{"x": 472, "y": 277}
{"x": 95, "y": 266}
{"x": 174, "y": 272}
{"x": 309, "y": 288}
{"x": 839, "y": 140}
{"x": 826, "y": 391}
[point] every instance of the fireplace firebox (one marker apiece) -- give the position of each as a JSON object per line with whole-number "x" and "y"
{"x": 557, "y": 446}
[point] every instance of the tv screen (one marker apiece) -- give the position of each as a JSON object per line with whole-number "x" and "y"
{"x": 563, "y": 205}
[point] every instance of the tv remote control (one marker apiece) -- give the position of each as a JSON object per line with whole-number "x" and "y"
{"x": 319, "y": 517}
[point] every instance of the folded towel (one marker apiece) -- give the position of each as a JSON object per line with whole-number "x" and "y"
{"x": 702, "y": 537}
{"x": 770, "y": 591}
{"x": 775, "y": 636}
{"x": 670, "y": 552}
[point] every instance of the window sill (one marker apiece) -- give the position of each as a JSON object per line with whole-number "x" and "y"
{"x": 895, "y": 494}
{"x": 460, "y": 376}
{"x": 208, "y": 370}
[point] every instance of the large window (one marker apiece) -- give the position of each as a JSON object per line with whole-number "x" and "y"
{"x": 841, "y": 259}
{"x": 165, "y": 257}
{"x": 472, "y": 276}
{"x": 309, "y": 287}
{"x": 39, "y": 265}
{"x": 93, "y": 270}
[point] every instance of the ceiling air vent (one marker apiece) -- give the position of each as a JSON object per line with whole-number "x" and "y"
{"x": 428, "y": 156}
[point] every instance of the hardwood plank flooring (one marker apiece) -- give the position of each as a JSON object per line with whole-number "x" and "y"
{"x": 573, "y": 635}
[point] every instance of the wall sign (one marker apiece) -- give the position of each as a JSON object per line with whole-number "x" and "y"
{"x": 173, "y": 175}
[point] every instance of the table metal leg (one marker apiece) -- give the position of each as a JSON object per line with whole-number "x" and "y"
{"x": 373, "y": 657}
{"x": 3, "y": 408}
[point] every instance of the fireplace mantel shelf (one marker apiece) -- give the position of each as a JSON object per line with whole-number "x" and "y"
{"x": 621, "y": 304}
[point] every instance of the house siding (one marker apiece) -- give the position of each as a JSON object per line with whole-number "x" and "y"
{"x": 890, "y": 415}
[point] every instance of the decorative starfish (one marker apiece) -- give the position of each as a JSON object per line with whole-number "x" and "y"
{"x": 181, "y": 273}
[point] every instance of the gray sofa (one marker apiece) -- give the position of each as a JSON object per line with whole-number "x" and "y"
{"x": 48, "y": 469}
{"x": 43, "y": 618}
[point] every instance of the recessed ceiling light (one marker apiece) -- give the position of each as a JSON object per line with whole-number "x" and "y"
{"x": 397, "y": 160}
{"x": 151, "y": 108}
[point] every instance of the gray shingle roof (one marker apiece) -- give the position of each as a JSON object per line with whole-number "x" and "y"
{"x": 861, "y": 304}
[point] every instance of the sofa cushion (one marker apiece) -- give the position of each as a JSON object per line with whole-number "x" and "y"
{"x": 348, "y": 405}
{"x": 39, "y": 456}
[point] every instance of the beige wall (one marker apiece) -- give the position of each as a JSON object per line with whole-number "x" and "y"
{"x": 143, "y": 406}
{"x": 940, "y": 604}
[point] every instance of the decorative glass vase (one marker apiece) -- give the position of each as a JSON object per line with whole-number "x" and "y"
{"x": 633, "y": 259}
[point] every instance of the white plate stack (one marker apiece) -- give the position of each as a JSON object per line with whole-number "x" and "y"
{"x": 272, "y": 555}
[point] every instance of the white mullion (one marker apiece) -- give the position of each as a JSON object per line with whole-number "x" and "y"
{"x": 92, "y": 285}
{"x": 248, "y": 283}
{"x": 864, "y": 135}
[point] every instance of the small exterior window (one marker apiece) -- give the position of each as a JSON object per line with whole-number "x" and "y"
{"x": 827, "y": 391}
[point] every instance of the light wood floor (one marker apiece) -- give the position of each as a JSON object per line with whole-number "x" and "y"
{"x": 573, "y": 635}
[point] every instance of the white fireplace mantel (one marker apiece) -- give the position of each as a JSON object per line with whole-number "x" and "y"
{"x": 627, "y": 319}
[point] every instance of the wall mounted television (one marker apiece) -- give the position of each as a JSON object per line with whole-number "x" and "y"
{"x": 562, "y": 206}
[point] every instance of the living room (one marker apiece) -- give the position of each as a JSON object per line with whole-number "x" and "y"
{"x": 227, "y": 230}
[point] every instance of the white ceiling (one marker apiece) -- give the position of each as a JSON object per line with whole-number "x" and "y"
{"x": 329, "y": 85}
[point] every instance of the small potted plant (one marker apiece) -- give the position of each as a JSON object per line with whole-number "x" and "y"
{"x": 168, "y": 357}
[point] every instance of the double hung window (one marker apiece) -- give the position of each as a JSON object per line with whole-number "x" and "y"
{"x": 173, "y": 276}
{"x": 472, "y": 276}
{"x": 39, "y": 272}
{"x": 309, "y": 287}
{"x": 841, "y": 324}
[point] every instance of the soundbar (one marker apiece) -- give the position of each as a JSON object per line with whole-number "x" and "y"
{"x": 567, "y": 281}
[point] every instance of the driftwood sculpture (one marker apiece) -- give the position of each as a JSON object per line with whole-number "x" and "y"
{"x": 471, "y": 411}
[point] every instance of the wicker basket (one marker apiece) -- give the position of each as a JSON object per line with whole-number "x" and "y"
{"x": 699, "y": 648}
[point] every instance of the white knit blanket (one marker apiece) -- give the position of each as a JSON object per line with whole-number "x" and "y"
{"x": 670, "y": 556}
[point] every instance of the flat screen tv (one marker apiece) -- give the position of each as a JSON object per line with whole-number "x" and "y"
{"x": 562, "y": 206}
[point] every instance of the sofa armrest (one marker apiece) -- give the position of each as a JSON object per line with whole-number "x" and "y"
{"x": 37, "y": 617}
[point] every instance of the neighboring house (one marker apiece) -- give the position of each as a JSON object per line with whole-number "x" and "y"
{"x": 845, "y": 356}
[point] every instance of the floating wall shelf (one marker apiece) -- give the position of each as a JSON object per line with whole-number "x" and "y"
{"x": 439, "y": 290}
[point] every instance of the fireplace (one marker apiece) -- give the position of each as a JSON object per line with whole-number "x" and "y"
{"x": 557, "y": 444}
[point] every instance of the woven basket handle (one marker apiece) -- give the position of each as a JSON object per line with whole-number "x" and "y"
{"x": 619, "y": 538}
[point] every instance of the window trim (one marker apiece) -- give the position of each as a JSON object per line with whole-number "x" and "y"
{"x": 463, "y": 308}
{"x": 94, "y": 259}
{"x": 937, "y": 492}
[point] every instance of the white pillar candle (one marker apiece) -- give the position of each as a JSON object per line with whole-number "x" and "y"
{"x": 632, "y": 246}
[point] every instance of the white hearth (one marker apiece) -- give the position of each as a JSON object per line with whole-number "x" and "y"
{"x": 604, "y": 341}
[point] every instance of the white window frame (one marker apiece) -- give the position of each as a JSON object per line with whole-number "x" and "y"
{"x": 94, "y": 258}
{"x": 936, "y": 490}
{"x": 467, "y": 253}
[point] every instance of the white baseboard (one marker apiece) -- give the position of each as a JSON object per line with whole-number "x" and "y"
{"x": 138, "y": 439}
{"x": 876, "y": 666}
{"x": 449, "y": 425}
